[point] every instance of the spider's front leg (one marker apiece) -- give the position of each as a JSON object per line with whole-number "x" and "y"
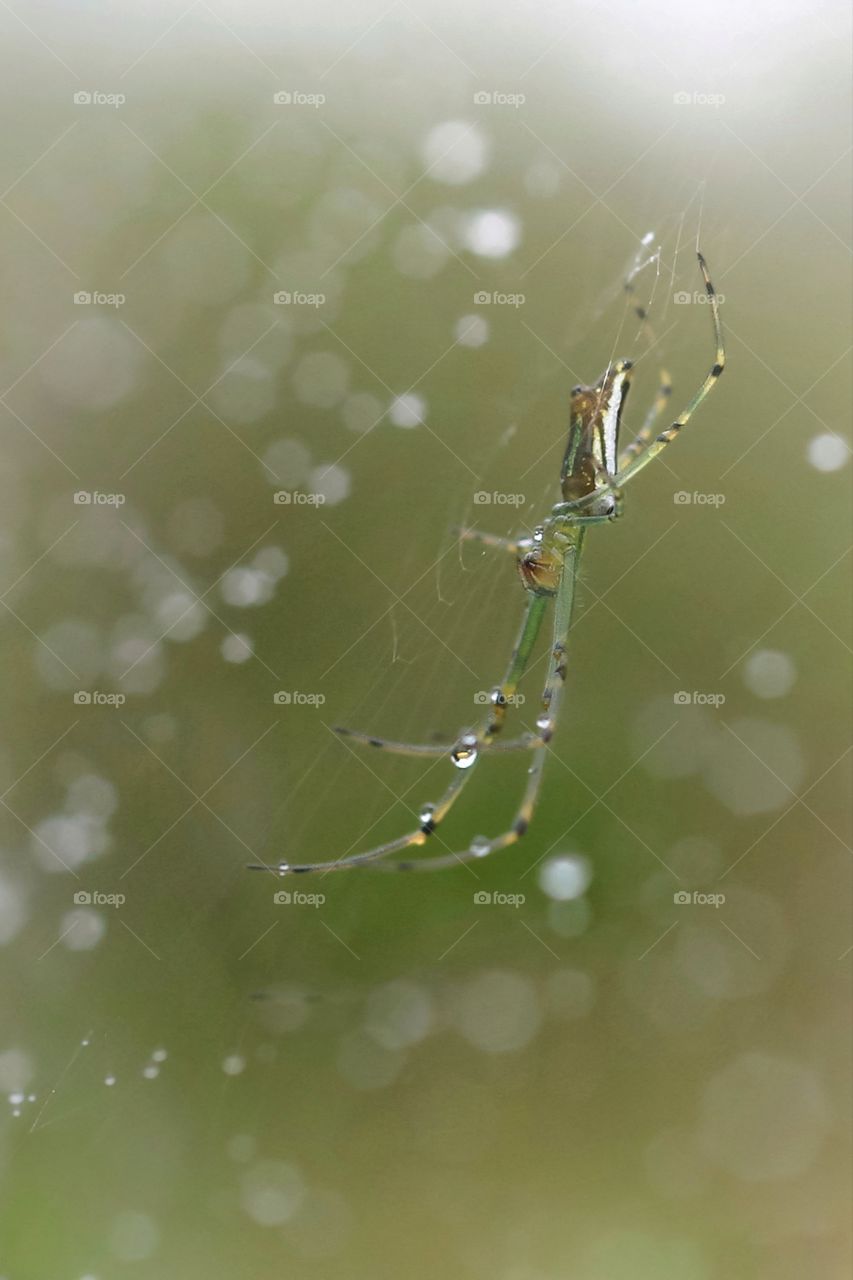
{"x": 649, "y": 449}
{"x": 575, "y": 509}
{"x": 513, "y": 545}
{"x": 644, "y": 435}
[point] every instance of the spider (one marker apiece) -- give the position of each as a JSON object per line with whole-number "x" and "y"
{"x": 592, "y": 477}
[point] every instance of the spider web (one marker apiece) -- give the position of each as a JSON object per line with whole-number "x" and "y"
{"x": 423, "y": 669}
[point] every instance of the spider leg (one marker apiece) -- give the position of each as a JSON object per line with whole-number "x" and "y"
{"x": 436, "y": 749}
{"x": 482, "y": 848}
{"x": 664, "y": 389}
{"x": 381, "y": 851}
{"x": 433, "y": 749}
{"x": 431, "y": 817}
{"x": 550, "y": 704}
{"x": 490, "y": 539}
{"x": 652, "y": 450}
{"x": 464, "y": 756}
{"x": 645, "y": 433}
{"x": 491, "y": 743}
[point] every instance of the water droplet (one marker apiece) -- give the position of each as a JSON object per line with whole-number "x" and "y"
{"x": 480, "y": 846}
{"x": 426, "y": 813}
{"x": 408, "y": 410}
{"x": 454, "y": 153}
{"x": 151, "y": 1072}
{"x": 828, "y": 451}
{"x": 538, "y": 534}
{"x": 109, "y": 1080}
{"x": 236, "y": 648}
{"x": 492, "y": 233}
{"x": 769, "y": 674}
{"x": 565, "y": 877}
{"x": 464, "y": 755}
{"x": 544, "y": 724}
{"x": 159, "y": 1055}
{"x": 471, "y": 331}
{"x": 330, "y": 483}
{"x": 283, "y": 868}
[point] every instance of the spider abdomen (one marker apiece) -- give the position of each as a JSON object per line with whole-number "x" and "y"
{"x": 539, "y": 570}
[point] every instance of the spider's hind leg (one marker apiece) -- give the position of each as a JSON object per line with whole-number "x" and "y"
{"x": 546, "y": 721}
{"x": 430, "y": 749}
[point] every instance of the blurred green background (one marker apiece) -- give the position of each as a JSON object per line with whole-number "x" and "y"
{"x": 583, "y": 1077}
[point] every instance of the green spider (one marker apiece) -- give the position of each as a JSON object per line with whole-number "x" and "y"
{"x": 591, "y": 479}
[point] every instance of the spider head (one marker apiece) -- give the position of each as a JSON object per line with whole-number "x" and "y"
{"x": 590, "y": 460}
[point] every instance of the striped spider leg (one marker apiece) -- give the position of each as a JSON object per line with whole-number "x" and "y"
{"x": 592, "y": 476}
{"x": 633, "y": 460}
{"x": 665, "y": 385}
